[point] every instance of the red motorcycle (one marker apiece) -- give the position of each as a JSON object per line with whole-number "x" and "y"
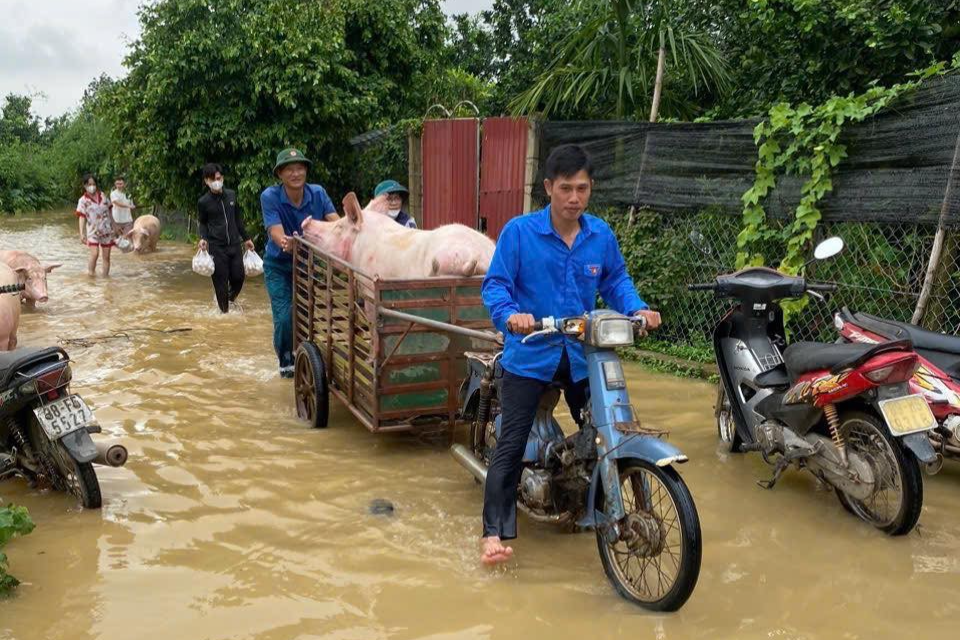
{"x": 841, "y": 411}
{"x": 937, "y": 378}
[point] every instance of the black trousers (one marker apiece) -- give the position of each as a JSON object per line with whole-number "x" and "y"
{"x": 229, "y": 274}
{"x": 519, "y": 400}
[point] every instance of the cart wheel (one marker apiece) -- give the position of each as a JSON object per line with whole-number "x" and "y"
{"x": 310, "y": 386}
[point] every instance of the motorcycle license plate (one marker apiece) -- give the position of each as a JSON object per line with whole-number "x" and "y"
{"x": 907, "y": 414}
{"x": 64, "y": 416}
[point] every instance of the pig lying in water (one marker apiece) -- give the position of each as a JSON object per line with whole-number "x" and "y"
{"x": 145, "y": 233}
{"x": 30, "y": 273}
{"x": 9, "y": 310}
{"x": 376, "y": 244}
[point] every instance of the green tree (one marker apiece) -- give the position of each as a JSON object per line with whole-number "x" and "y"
{"x": 234, "y": 81}
{"x": 18, "y": 123}
{"x": 807, "y": 50}
{"x": 616, "y": 56}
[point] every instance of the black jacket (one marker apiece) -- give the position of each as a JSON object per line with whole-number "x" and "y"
{"x": 220, "y": 219}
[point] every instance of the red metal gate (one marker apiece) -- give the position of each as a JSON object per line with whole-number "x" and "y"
{"x": 503, "y": 172}
{"x": 451, "y": 170}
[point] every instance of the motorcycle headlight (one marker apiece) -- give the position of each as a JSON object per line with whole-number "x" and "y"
{"x": 612, "y": 332}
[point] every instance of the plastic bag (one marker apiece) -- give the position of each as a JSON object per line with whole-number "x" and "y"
{"x": 203, "y": 263}
{"x": 124, "y": 244}
{"x": 252, "y": 263}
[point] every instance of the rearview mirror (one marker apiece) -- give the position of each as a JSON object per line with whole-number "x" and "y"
{"x": 828, "y": 248}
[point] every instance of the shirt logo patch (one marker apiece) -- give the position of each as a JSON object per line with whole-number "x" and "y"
{"x": 592, "y": 270}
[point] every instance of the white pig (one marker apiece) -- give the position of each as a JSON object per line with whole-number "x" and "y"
{"x": 9, "y": 310}
{"x": 31, "y": 273}
{"x": 145, "y": 233}
{"x": 374, "y": 243}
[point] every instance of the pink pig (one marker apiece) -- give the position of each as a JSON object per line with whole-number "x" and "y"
{"x": 31, "y": 273}
{"x": 375, "y": 243}
{"x": 9, "y": 310}
{"x": 145, "y": 233}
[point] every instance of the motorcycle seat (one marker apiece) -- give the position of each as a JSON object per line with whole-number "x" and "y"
{"x": 803, "y": 357}
{"x": 921, "y": 338}
{"x": 13, "y": 361}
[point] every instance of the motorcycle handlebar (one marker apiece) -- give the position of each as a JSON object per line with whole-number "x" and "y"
{"x": 702, "y": 286}
{"x": 821, "y": 286}
{"x": 538, "y": 326}
{"x": 12, "y": 288}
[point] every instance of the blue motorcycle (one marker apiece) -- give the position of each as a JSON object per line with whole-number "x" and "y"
{"x": 613, "y": 475}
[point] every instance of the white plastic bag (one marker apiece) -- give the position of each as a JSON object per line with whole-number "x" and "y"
{"x": 252, "y": 263}
{"x": 203, "y": 263}
{"x": 124, "y": 244}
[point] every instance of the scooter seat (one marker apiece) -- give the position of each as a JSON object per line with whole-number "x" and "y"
{"x": 803, "y": 357}
{"x": 13, "y": 361}
{"x": 921, "y": 338}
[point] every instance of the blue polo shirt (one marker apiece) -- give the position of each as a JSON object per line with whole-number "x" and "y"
{"x": 277, "y": 209}
{"x": 533, "y": 271}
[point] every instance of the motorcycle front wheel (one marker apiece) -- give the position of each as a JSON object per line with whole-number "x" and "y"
{"x": 76, "y": 478}
{"x": 655, "y": 562}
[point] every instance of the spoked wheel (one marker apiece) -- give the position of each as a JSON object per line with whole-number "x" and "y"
{"x": 655, "y": 561}
{"x": 894, "y": 507}
{"x": 730, "y": 440}
{"x": 310, "y": 386}
{"x": 77, "y": 478}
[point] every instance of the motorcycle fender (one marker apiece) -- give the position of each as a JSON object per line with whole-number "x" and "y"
{"x": 919, "y": 445}
{"x": 80, "y": 445}
{"x": 646, "y": 448}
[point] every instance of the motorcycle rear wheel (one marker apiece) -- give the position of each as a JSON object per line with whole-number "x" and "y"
{"x": 77, "y": 478}
{"x": 895, "y": 507}
{"x": 657, "y": 570}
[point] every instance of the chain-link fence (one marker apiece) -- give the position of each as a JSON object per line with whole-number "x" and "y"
{"x": 881, "y": 271}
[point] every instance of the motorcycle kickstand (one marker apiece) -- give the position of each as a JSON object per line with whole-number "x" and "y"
{"x": 779, "y": 468}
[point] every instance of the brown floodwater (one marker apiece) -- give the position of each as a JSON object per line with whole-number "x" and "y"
{"x": 233, "y": 520}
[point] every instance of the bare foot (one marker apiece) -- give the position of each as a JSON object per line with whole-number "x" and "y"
{"x": 493, "y": 551}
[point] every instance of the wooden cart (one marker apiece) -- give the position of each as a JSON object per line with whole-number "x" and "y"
{"x": 391, "y": 350}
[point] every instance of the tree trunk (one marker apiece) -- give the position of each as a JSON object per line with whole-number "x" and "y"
{"x": 658, "y": 87}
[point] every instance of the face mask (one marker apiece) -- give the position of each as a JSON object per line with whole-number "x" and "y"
{"x": 91, "y": 189}
{"x": 393, "y": 213}
{"x": 216, "y": 186}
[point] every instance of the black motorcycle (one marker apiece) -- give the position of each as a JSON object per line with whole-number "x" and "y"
{"x": 45, "y": 430}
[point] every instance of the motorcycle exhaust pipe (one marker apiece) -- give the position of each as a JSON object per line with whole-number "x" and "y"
{"x": 110, "y": 454}
{"x": 469, "y": 462}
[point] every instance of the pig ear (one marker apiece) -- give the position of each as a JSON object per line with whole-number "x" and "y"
{"x": 378, "y": 204}
{"x": 351, "y": 206}
{"x": 128, "y": 233}
{"x": 51, "y": 267}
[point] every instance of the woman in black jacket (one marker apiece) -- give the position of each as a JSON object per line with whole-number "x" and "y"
{"x": 223, "y": 234}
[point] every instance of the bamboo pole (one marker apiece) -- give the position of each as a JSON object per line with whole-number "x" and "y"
{"x": 938, "y": 240}
{"x": 658, "y": 86}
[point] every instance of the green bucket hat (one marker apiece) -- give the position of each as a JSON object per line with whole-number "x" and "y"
{"x": 290, "y": 156}
{"x": 389, "y": 186}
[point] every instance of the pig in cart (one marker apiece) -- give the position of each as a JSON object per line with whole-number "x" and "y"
{"x": 392, "y": 351}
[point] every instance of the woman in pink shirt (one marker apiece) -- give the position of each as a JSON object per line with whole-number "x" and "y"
{"x": 97, "y": 228}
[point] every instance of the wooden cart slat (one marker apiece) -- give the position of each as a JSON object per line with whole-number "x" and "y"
{"x": 392, "y": 374}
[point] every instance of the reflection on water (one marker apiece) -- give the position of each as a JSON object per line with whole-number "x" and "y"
{"x": 234, "y": 520}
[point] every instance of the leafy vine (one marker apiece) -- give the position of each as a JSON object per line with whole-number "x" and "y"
{"x": 805, "y": 141}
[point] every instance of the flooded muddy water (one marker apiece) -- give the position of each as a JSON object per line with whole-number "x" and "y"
{"x": 233, "y": 520}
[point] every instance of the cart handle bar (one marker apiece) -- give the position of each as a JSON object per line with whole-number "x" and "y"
{"x": 442, "y": 326}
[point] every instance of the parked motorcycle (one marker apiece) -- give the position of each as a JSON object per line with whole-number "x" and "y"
{"x": 613, "y": 475}
{"x": 937, "y": 379}
{"x": 45, "y": 429}
{"x": 842, "y": 411}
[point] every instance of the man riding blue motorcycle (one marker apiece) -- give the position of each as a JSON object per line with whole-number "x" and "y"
{"x": 550, "y": 263}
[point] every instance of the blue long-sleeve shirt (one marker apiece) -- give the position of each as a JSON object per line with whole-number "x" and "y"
{"x": 533, "y": 271}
